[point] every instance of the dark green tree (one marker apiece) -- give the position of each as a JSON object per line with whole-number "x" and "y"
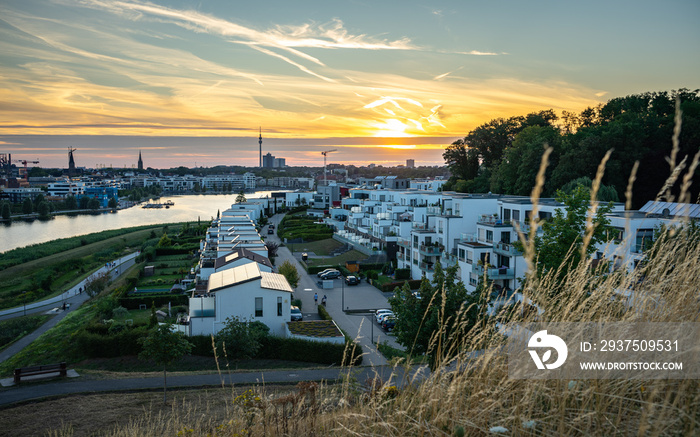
{"x": 93, "y": 204}
{"x": 436, "y": 320}
{"x": 37, "y": 200}
{"x": 44, "y": 210}
{"x": 517, "y": 171}
{"x": 27, "y": 206}
{"x": 163, "y": 346}
{"x": 71, "y": 203}
{"x": 6, "y": 211}
{"x": 562, "y": 236}
{"x": 84, "y": 202}
{"x": 165, "y": 241}
{"x": 241, "y": 197}
{"x": 112, "y": 202}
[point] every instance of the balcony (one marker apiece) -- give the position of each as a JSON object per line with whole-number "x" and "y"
{"x": 490, "y": 220}
{"x": 494, "y": 273}
{"x": 426, "y": 266}
{"x": 404, "y": 243}
{"x": 400, "y": 256}
{"x": 448, "y": 260}
{"x": 506, "y": 249}
{"x": 429, "y": 250}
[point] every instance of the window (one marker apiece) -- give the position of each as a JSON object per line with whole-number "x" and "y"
{"x": 462, "y": 254}
{"x": 258, "y": 307}
{"x": 506, "y": 214}
{"x": 279, "y": 306}
{"x": 516, "y": 214}
{"x": 489, "y": 236}
{"x": 505, "y": 237}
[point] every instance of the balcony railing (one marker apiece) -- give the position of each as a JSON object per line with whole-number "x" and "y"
{"x": 494, "y": 273}
{"x": 448, "y": 260}
{"x": 404, "y": 242}
{"x": 506, "y": 249}
{"x": 490, "y": 220}
{"x": 429, "y": 250}
{"x": 426, "y": 266}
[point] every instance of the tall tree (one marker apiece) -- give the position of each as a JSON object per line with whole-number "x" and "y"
{"x": 241, "y": 197}
{"x": 289, "y": 271}
{"x": 27, "y": 206}
{"x": 6, "y": 211}
{"x": 562, "y": 236}
{"x": 163, "y": 346}
{"x": 436, "y": 319}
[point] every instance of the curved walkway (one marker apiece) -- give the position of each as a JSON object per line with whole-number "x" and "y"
{"x": 35, "y": 391}
{"x": 72, "y": 297}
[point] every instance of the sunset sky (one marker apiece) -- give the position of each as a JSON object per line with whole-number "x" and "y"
{"x": 191, "y": 82}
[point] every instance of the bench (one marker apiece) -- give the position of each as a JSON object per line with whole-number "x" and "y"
{"x": 59, "y": 368}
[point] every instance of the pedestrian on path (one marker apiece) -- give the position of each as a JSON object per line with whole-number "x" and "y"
{"x": 323, "y": 301}
{"x": 316, "y": 298}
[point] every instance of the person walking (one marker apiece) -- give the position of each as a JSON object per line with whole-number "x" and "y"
{"x": 323, "y": 301}
{"x": 316, "y": 298}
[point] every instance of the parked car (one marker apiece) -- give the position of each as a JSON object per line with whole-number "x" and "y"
{"x": 352, "y": 280}
{"x": 388, "y": 323}
{"x": 296, "y": 314}
{"x": 379, "y": 313}
{"x": 323, "y": 272}
{"x": 330, "y": 275}
{"x": 382, "y": 317}
{"x": 270, "y": 231}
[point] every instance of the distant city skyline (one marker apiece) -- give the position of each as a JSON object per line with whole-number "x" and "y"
{"x": 190, "y": 83}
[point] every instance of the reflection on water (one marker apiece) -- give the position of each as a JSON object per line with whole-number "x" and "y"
{"x": 186, "y": 208}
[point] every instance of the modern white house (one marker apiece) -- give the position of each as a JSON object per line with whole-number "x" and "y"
{"x": 236, "y": 258}
{"x": 246, "y": 292}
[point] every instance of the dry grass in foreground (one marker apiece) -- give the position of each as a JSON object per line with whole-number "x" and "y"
{"x": 478, "y": 401}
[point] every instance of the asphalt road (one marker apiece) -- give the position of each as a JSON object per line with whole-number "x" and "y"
{"x": 363, "y": 296}
{"x": 72, "y": 297}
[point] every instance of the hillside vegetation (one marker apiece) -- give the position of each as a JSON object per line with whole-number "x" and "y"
{"x": 503, "y": 155}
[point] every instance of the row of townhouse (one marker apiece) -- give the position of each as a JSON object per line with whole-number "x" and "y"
{"x": 476, "y": 232}
{"x": 189, "y": 182}
{"x": 235, "y": 278}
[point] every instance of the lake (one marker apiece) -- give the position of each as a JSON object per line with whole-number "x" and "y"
{"x": 186, "y": 208}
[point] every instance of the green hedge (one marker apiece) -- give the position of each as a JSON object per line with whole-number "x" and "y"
{"x": 294, "y": 349}
{"x": 99, "y": 345}
{"x": 402, "y": 274}
{"x": 374, "y": 266}
{"x": 133, "y": 302}
{"x": 324, "y": 313}
{"x": 390, "y": 286}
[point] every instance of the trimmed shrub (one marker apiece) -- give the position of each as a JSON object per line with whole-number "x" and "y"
{"x": 324, "y": 313}
{"x": 308, "y": 351}
{"x": 103, "y": 345}
{"x": 402, "y": 274}
{"x": 133, "y": 302}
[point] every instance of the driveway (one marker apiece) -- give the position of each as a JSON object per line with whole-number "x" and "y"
{"x": 364, "y": 296}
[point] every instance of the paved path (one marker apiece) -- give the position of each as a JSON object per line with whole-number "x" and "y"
{"x": 364, "y": 296}
{"x": 72, "y": 296}
{"x": 28, "y": 392}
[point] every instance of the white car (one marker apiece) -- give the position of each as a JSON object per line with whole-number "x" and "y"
{"x": 379, "y": 314}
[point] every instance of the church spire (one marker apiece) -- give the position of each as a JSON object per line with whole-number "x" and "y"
{"x": 140, "y": 165}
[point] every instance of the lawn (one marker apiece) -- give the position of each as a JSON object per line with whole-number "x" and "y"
{"x": 321, "y": 247}
{"x": 353, "y": 255}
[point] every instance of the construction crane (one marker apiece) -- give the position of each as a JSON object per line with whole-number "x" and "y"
{"x": 26, "y": 170}
{"x": 325, "y": 179}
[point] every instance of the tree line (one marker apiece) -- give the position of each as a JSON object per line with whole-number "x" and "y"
{"x": 503, "y": 155}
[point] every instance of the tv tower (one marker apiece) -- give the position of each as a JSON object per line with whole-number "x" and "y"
{"x": 260, "y": 144}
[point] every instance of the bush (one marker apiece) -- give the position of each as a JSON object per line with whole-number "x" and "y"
{"x": 324, "y": 313}
{"x": 201, "y": 345}
{"x": 402, "y": 274}
{"x": 297, "y": 303}
{"x": 104, "y": 345}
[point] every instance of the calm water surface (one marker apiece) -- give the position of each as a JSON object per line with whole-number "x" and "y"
{"x": 187, "y": 208}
